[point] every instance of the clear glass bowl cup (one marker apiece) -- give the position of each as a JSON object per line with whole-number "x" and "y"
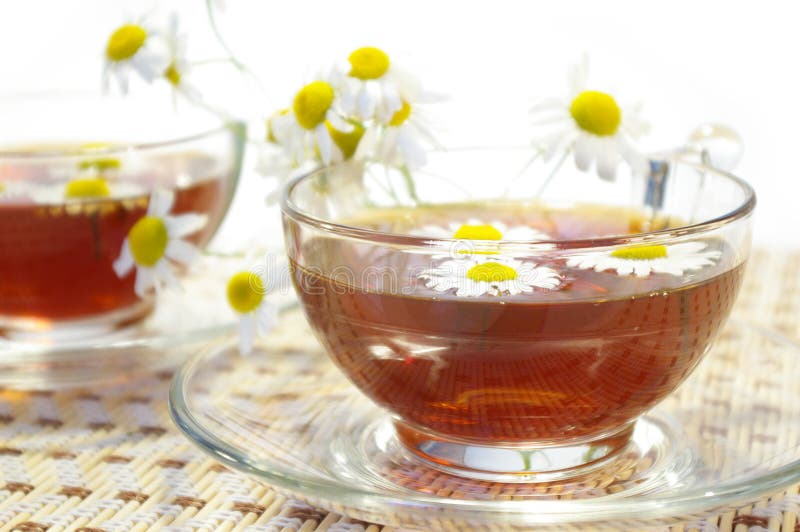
{"x": 541, "y": 373}
{"x": 58, "y": 244}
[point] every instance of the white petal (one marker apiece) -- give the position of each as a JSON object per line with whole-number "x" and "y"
{"x": 607, "y": 165}
{"x": 164, "y": 277}
{"x": 184, "y": 224}
{"x": 144, "y": 281}
{"x": 182, "y": 251}
{"x": 367, "y": 144}
{"x": 124, "y": 263}
{"x": 642, "y": 268}
{"x": 413, "y": 153}
{"x": 579, "y": 75}
{"x": 365, "y": 103}
{"x": 267, "y": 317}
{"x": 324, "y": 143}
{"x": 685, "y": 248}
{"x": 247, "y": 333}
{"x": 161, "y": 201}
{"x": 584, "y": 153}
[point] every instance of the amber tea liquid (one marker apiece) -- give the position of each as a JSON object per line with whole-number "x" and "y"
{"x": 56, "y": 259}
{"x": 546, "y": 367}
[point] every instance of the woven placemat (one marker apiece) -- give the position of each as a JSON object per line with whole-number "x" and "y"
{"x": 109, "y": 459}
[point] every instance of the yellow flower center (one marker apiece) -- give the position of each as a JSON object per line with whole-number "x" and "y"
{"x": 401, "y": 115}
{"x": 478, "y": 232}
{"x": 148, "y": 240}
{"x": 125, "y": 42}
{"x": 270, "y": 131}
{"x": 2, "y": 188}
{"x": 492, "y": 272}
{"x": 312, "y": 103}
{"x": 368, "y": 63}
{"x": 596, "y": 112}
{"x": 640, "y": 252}
{"x": 172, "y": 74}
{"x": 346, "y": 141}
{"x": 103, "y": 164}
{"x": 245, "y": 292}
{"x": 87, "y": 188}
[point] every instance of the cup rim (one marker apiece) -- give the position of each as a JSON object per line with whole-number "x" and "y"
{"x": 116, "y": 148}
{"x": 745, "y": 209}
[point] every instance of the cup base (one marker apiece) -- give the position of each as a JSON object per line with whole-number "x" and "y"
{"x": 513, "y": 463}
{"x": 40, "y": 330}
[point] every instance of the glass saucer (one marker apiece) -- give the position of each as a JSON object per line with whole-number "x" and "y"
{"x": 182, "y": 321}
{"x": 727, "y": 437}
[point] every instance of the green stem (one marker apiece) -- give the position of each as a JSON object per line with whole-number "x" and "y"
{"x": 521, "y": 173}
{"x": 231, "y": 56}
{"x": 553, "y": 173}
{"x": 410, "y": 184}
{"x": 217, "y": 61}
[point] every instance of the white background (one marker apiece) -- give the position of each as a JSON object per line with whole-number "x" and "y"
{"x": 688, "y": 61}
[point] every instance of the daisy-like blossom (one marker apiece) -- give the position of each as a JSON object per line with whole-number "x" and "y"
{"x": 497, "y": 276}
{"x": 372, "y": 86}
{"x": 13, "y": 191}
{"x": 134, "y": 47}
{"x": 85, "y": 189}
{"x": 476, "y": 229}
{"x": 304, "y": 130}
{"x": 591, "y": 125}
{"x": 178, "y": 71}
{"x": 155, "y": 240}
{"x": 401, "y": 141}
{"x": 247, "y": 297}
{"x": 641, "y": 261}
{"x": 275, "y": 161}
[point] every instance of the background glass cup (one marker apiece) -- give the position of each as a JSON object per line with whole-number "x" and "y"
{"x": 56, "y": 253}
{"x": 504, "y": 388}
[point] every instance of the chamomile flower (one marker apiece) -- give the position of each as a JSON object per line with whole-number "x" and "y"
{"x": 641, "y": 261}
{"x": 274, "y": 161}
{"x": 475, "y": 229}
{"x": 305, "y": 131}
{"x": 496, "y": 276}
{"x": 13, "y": 191}
{"x": 401, "y": 141}
{"x": 134, "y": 47}
{"x": 593, "y": 126}
{"x": 247, "y": 297}
{"x": 372, "y": 86}
{"x": 85, "y": 189}
{"x": 178, "y": 71}
{"x": 155, "y": 240}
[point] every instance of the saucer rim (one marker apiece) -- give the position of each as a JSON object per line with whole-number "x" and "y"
{"x": 729, "y": 494}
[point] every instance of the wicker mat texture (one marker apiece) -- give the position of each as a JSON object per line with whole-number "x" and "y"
{"x": 110, "y": 459}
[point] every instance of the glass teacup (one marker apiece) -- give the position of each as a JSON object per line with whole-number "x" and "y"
{"x": 513, "y": 332}
{"x": 77, "y": 172}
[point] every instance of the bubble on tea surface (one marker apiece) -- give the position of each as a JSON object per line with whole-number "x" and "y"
{"x": 722, "y": 145}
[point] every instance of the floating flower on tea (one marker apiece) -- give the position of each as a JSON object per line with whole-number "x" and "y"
{"x": 85, "y": 189}
{"x": 134, "y": 47}
{"x": 475, "y": 229}
{"x": 591, "y": 125}
{"x": 247, "y": 297}
{"x": 496, "y": 276}
{"x": 372, "y": 86}
{"x": 14, "y": 191}
{"x": 155, "y": 240}
{"x": 641, "y": 261}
